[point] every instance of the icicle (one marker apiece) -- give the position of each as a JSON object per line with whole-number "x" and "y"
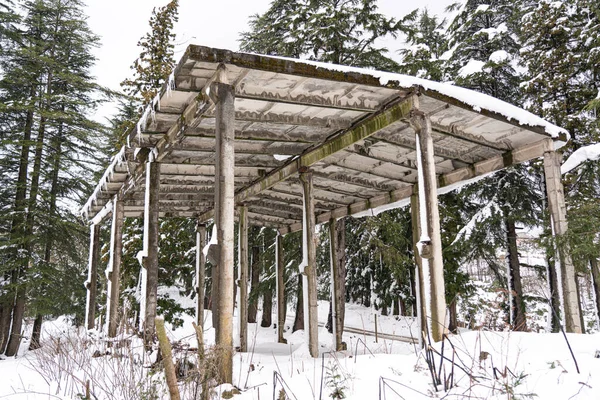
{"x": 88, "y": 281}
{"x": 213, "y": 240}
{"x": 171, "y": 84}
{"x": 422, "y": 203}
{"x": 143, "y": 282}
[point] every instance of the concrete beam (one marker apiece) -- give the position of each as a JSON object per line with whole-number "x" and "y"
{"x": 309, "y": 270}
{"x": 114, "y": 269}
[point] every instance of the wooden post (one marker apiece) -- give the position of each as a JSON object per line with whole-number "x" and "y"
{"x": 225, "y": 130}
{"x": 200, "y": 273}
{"x": 430, "y": 243}
{"x": 91, "y": 283}
{"x": 151, "y": 260}
{"x": 558, "y": 215}
{"x": 337, "y": 288}
{"x": 243, "y": 276}
{"x": 113, "y": 271}
{"x": 419, "y": 283}
{"x": 280, "y": 283}
{"x": 309, "y": 264}
{"x": 167, "y": 356}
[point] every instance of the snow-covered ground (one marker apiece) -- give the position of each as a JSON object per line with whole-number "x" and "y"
{"x": 487, "y": 365}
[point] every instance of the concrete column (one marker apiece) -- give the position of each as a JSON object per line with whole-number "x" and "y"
{"x": 338, "y": 274}
{"x": 280, "y": 283}
{"x": 419, "y": 282}
{"x": 430, "y": 242}
{"x": 114, "y": 268}
{"x": 150, "y": 262}
{"x": 311, "y": 319}
{"x": 565, "y": 269}
{"x": 225, "y": 135}
{"x": 91, "y": 283}
{"x": 200, "y": 273}
{"x": 243, "y": 276}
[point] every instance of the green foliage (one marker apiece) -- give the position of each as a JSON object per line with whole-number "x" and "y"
{"x": 156, "y": 62}
{"x": 427, "y": 43}
{"x": 48, "y": 145}
{"x": 339, "y": 32}
{"x": 336, "y": 381}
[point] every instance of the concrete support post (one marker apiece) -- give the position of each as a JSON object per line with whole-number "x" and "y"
{"x": 225, "y": 137}
{"x": 200, "y": 273}
{"x": 113, "y": 271}
{"x": 150, "y": 262}
{"x": 419, "y": 282}
{"x": 91, "y": 283}
{"x": 309, "y": 265}
{"x": 243, "y": 276}
{"x": 565, "y": 269}
{"x": 280, "y": 283}
{"x": 337, "y": 284}
{"x": 430, "y": 243}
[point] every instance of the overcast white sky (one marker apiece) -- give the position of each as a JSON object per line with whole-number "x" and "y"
{"x": 216, "y": 23}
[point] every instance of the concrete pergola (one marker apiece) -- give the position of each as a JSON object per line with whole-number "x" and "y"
{"x": 290, "y": 144}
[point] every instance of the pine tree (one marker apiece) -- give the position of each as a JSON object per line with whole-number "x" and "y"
{"x": 334, "y": 31}
{"x": 561, "y": 56}
{"x": 51, "y": 133}
{"x": 156, "y": 62}
{"x": 483, "y": 38}
{"x": 427, "y": 45}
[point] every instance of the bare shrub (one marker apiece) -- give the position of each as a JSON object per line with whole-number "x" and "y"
{"x": 117, "y": 369}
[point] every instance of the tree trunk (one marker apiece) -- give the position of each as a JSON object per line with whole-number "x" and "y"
{"x": 596, "y": 283}
{"x": 5, "y": 312}
{"x": 517, "y": 308}
{"x": 299, "y": 320}
{"x": 39, "y": 319}
{"x": 329, "y": 324}
{"x": 384, "y": 309}
{"x": 19, "y": 307}
{"x": 254, "y": 280}
{"x": 267, "y": 309}
{"x": 17, "y": 224}
{"x": 453, "y": 323}
{"x": 14, "y": 341}
{"x": 36, "y": 333}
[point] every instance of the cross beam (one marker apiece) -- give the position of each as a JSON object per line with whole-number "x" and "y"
{"x": 359, "y": 131}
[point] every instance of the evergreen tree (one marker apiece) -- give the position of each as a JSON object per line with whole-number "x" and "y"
{"x": 485, "y": 47}
{"x": 48, "y": 94}
{"x": 482, "y": 39}
{"x": 334, "y": 31}
{"x": 155, "y": 63}
{"x": 427, "y": 44}
{"x": 560, "y": 54}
